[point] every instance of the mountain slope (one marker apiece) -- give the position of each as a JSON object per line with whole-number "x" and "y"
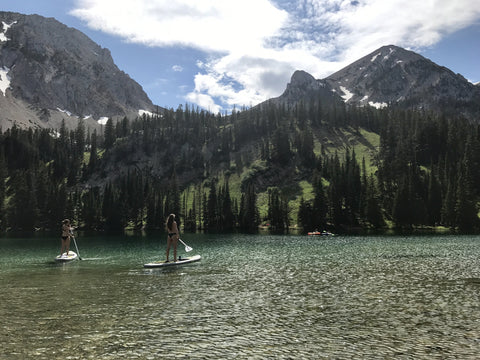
{"x": 392, "y": 75}
{"x": 50, "y": 71}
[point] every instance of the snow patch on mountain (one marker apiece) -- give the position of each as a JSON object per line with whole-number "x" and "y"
{"x": 103, "y": 120}
{"x": 4, "y": 80}
{"x": 148, "y": 113}
{"x": 386, "y": 57}
{"x": 3, "y": 36}
{"x": 374, "y": 57}
{"x": 64, "y": 111}
{"x": 377, "y": 105}
{"x": 347, "y": 94}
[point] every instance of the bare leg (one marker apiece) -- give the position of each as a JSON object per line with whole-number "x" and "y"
{"x": 64, "y": 247}
{"x": 168, "y": 247}
{"x": 175, "y": 242}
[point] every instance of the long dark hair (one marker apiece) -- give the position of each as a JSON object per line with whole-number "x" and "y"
{"x": 170, "y": 220}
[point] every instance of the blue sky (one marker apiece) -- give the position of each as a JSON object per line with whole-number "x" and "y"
{"x": 217, "y": 54}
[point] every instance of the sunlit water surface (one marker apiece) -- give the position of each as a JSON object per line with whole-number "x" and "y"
{"x": 250, "y": 297}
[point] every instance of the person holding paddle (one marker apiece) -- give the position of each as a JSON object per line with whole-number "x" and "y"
{"x": 66, "y": 231}
{"x": 172, "y": 237}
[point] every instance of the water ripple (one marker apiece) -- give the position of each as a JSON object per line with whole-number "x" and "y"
{"x": 254, "y": 298}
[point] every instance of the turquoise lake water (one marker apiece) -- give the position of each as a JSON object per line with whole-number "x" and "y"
{"x": 250, "y": 297}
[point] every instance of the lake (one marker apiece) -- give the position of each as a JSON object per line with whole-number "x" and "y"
{"x": 250, "y": 297}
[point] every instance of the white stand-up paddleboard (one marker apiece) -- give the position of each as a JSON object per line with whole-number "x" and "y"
{"x": 181, "y": 261}
{"x": 72, "y": 255}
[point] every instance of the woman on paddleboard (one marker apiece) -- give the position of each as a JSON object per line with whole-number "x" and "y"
{"x": 65, "y": 236}
{"x": 173, "y": 236}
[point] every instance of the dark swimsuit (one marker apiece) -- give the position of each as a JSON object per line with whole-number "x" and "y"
{"x": 171, "y": 234}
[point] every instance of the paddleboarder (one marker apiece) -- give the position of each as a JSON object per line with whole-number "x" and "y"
{"x": 172, "y": 237}
{"x": 66, "y": 231}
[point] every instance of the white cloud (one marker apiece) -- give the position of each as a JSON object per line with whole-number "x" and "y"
{"x": 212, "y": 25}
{"x": 204, "y": 101}
{"x": 361, "y": 28}
{"x": 177, "y": 68}
{"x": 255, "y": 45}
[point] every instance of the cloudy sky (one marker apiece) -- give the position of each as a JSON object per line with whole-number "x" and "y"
{"x": 218, "y": 54}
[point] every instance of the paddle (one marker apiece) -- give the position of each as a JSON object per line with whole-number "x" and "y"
{"x": 187, "y": 248}
{"x": 76, "y": 247}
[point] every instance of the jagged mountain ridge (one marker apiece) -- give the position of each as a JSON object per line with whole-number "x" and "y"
{"x": 391, "y": 76}
{"x": 51, "y": 71}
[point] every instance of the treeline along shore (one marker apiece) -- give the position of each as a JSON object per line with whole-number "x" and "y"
{"x": 312, "y": 165}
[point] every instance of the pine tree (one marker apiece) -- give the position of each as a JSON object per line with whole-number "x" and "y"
{"x": 281, "y": 152}
{"x": 190, "y": 221}
{"x": 204, "y": 221}
{"x": 109, "y": 134}
{"x": 353, "y": 187}
{"x": 172, "y": 199}
{"x": 336, "y": 205}
{"x": 3, "y": 188}
{"x": 226, "y": 214}
{"x": 320, "y": 206}
{"x": 401, "y": 214}
{"x": 248, "y": 215}
{"x": 276, "y": 211}
{"x": 59, "y": 209}
{"x": 151, "y": 213}
{"x": 93, "y": 161}
{"x": 79, "y": 143}
{"x": 363, "y": 194}
{"x": 23, "y": 209}
{"x": 305, "y": 215}
{"x": 373, "y": 211}
{"x": 466, "y": 209}
{"x": 448, "y": 206}
{"x": 90, "y": 211}
{"x": 434, "y": 200}
{"x": 63, "y": 136}
{"x": 42, "y": 192}
{"x": 212, "y": 209}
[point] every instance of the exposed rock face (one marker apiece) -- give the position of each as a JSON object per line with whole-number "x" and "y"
{"x": 304, "y": 86}
{"x": 52, "y": 67}
{"x": 391, "y": 76}
{"x": 395, "y": 76}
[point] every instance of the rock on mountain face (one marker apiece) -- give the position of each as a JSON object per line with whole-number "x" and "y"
{"x": 50, "y": 71}
{"x": 390, "y": 76}
{"x": 304, "y": 86}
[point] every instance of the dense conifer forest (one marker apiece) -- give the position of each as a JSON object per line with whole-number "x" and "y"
{"x": 236, "y": 172}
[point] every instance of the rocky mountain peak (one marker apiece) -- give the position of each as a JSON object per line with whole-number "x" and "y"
{"x": 301, "y": 78}
{"x": 391, "y": 75}
{"x": 303, "y": 87}
{"x": 52, "y": 68}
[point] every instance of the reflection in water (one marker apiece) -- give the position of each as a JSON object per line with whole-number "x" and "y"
{"x": 265, "y": 297}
